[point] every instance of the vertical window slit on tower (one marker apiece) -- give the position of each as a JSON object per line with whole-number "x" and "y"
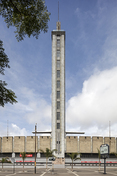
{"x": 58, "y": 142}
{"x": 58, "y": 125}
{"x": 58, "y": 94}
{"x": 58, "y": 43}
{"x": 58, "y": 73}
{"x": 58, "y": 63}
{"x": 58, "y": 53}
{"x": 58, "y": 115}
{"x": 58, "y": 104}
{"x": 58, "y": 84}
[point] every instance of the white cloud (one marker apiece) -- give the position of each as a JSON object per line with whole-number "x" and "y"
{"x": 41, "y": 114}
{"x": 37, "y": 110}
{"x": 12, "y": 130}
{"x": 96, "y": 105}
{"x": 31, "y": 108}
{"x": 17, "y": 131}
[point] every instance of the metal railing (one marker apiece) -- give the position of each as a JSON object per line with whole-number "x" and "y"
{"x": 91, "y": 163}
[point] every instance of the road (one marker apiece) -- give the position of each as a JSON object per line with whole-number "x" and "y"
{"x": 89, "y": 171}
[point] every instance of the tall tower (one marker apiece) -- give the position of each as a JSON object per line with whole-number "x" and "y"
{"x": 58, "y": 90}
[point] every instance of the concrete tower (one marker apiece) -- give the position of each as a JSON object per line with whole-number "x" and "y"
{"x": 58, "y": 90}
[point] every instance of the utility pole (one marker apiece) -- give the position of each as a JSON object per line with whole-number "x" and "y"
{"x": 109, "y": 128}
{"x": 110, "y": 135}
{"x": 35, "y": 145}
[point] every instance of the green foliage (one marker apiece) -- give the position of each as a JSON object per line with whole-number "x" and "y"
{"x": 99, "y": 155}
{"x": 74, "y": 157}
{"x": 23, "y": 154}
{"x": 113, "y": 153}
{"x": 5, "y": 160}
{"x": 30, "y": 17}
{"x": 6, "y": 95}
{"x": 48, "y": 153}
{"x": 4, "y": 61}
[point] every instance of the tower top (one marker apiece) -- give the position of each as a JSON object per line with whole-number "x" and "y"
{"x": 58, "y": 24}
{"x": 58, "y": 10}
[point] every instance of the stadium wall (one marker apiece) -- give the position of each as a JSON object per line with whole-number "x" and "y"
{"x": 82, "y": 144}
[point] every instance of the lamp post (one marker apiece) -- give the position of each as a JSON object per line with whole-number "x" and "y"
{"x": 35, "y": 146}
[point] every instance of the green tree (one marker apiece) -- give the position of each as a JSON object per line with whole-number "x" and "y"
{"x": 48, "y": 153}
{"x": 99, "y": 156}
{"x": 113, "y": 153}
{"x": 74, "y": 157}
{"x": 5, "y": 160}
{"x": 23, "y": 154}
{"x": 29, "y": 17}
{"x": 6, "y": 95}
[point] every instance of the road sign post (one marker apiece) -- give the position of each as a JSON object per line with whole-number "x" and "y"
{"x": 104, "y": 151}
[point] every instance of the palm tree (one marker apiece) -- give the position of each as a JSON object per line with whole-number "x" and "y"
{"x": 99, "y": 156}
{"x": 23, "y": 154}
{"x": 114, "y": 154}
{"x": 3, "y": 161}
{"x": 48, "y": 153}
{"x": 74, "y": 157}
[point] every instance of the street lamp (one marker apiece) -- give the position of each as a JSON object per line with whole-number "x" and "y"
{"x": 35, "y": 145}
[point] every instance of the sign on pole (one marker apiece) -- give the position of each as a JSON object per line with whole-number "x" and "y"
{"x": 104, "y": 151}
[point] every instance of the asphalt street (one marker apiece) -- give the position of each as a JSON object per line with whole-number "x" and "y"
{"x": 59, "y": 171}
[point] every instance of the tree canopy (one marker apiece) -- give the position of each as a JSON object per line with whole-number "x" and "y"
{"x": 23, "y": 154}
{"x": 6, "y": 95}
{"x": 48, "y": 153}
{"x": 30, "y": 17}
{"x": 74, "y": 157}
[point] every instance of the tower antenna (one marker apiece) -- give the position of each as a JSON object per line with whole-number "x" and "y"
{"x": 109, "y": 128}
{"x": 7, "y": 128}
{"x": 58, "y": 10}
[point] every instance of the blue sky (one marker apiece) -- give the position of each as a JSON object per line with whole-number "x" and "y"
{"x": 91, "y": 70}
